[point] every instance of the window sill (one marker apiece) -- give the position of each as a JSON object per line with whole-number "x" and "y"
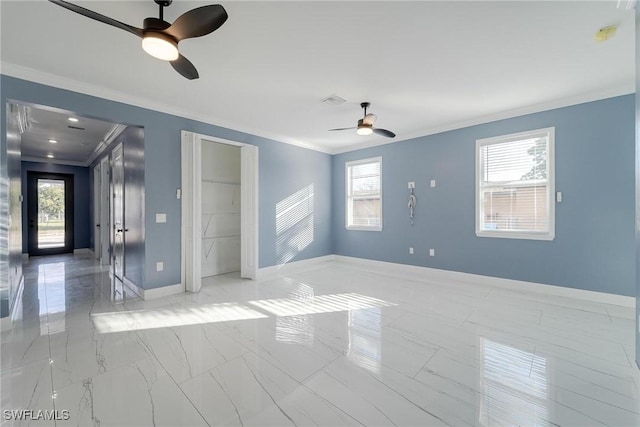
{"x": 354, "y": 228}
{"x": 522, "y": 236}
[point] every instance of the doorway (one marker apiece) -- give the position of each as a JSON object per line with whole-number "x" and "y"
{"x": 226, "y": 205}
{"x": 50, "y": 213}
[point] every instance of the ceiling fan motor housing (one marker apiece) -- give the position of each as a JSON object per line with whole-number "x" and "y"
{"x": 151, "y": 24}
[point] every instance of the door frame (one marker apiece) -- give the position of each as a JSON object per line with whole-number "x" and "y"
{"x": 97, "y": 200}
{"x": 191, "y": 191}
{"x": 112, "y": 208}
{"x": 32, "y": 210}
{"x": 105, "y": 209}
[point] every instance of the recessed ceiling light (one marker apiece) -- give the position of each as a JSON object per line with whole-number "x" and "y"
{"x": 50, "y": 156}
{"x": 73, "y": 119}
{"x": 53, "y": 141}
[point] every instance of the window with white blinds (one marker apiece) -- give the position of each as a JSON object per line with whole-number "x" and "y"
{"x": 515, "y": 186}
{"x": 364, "y": 194}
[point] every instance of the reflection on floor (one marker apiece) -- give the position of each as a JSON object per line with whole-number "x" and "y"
{"x": 332, "y": 346}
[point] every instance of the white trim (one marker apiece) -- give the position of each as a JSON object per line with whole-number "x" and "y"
{"x": 147, "y": 294}
{"x": 163, "y": 291}
{"x": 612, "y": 92}
{"x": 110, "y": 136}
{"x": 249, "y": 212}
{"x": 347, "y": 182}
{"x": 37, "y": 76}
{"x": 418, "y": 273}
{"x": 52, "y": 161}
{"x": 49, "y": 79}
{"x": 191, "y": 207}
{"x": 129, "y": 284}
{"x": 81, "y": 251}
{"x": 5, "y": 324}
{"x": 291, "y": 267}
{"x": 549, "y": 132}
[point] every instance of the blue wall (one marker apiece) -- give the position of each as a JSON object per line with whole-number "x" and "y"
{"x": 283, "y": 169}
{"x": 81, "y": 200}
{"x": 594, "y": 244}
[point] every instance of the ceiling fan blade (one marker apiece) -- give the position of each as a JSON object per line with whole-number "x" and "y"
{"x": 101, "y": 18}
{"x": 341, "y": 129}
{"x": 384, "y": 132}
{"x": 198, "y": 22}
{"x": 185, "y": 67}
{"x": 369, "y": 119}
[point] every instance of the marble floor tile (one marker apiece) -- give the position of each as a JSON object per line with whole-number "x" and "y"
{"x": 328, "y": 345}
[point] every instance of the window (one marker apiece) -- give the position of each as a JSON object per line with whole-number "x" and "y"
{"x": 515, "y": 187}
{"x": 364, "y": 194}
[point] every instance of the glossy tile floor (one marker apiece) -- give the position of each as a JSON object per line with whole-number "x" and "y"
{"x": 333, "y": 345}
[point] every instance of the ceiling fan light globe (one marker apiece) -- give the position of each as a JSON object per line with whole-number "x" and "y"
{"x": 160, "y": 46}
{"x": 364, "y": 130}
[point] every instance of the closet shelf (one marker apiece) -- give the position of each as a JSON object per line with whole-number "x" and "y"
{"x": 222, "y": 236}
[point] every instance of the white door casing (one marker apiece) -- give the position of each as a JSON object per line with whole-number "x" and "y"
{"x": 104, "y": 212}
{"x": 249, "y": 212}
{"x": 97, "y": 245}
{"x": 192, "y": 208}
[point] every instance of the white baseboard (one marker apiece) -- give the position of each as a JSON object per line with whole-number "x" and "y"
{"x": 129, "y": 284}
{"x": 5, "y": 324}
{"x": 15, "y": 309}
{"x": 82, "y": 251}
{"x": 425, "y": 273}
{"x": 163, "y": 291}
{"x": 147, "y": 294}
{"x": 275, "y": 270}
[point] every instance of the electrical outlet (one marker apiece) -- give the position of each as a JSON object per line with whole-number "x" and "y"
{"x": 159, "y": 266}
{"x": 432, "y": 183}
{"x": 410, "y": 251}
{"x": 432, "y": 252}
{"x": 161, "y": 218}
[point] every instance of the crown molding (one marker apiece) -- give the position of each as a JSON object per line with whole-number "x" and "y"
{"x": 49, "y": 79}
{"x": 53, "y": 161}
{"x": 508, "y": 114}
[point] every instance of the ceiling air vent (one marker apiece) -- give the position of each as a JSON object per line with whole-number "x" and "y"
{"x": 334, "y": 100}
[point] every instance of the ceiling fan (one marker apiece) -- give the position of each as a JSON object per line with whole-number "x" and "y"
{"x": 365, "y": 124}
{"x": 159, "y": 38}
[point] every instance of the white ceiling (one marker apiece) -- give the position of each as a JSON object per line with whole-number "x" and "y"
{"x": 76, "y": 141}
{"x": 425, "y": 66}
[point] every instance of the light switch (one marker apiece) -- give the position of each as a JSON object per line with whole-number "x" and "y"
{"x": 411, "y": 185}
{"x": 161, "y": 218}
{"x": 159, "y": 266}
{"x": 432, "y": 183}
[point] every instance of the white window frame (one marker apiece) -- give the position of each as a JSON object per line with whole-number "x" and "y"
{"x": 506, "y": 234}
{"x": 347, "y": 197}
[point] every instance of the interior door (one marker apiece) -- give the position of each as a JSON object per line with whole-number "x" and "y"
{"x": 117, "y": 190}
{"x": 97, "y": 246}
{"x": 49, "y": 213}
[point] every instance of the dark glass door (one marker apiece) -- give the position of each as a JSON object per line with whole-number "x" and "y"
{"x": 49, "y": 213}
